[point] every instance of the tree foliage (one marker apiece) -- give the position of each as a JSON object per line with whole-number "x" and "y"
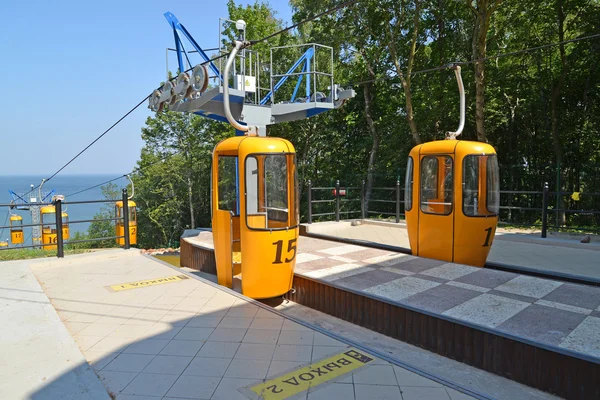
{"x": 540, "y": 109}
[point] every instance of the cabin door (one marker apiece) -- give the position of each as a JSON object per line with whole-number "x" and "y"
{"x": 436, "y": 222}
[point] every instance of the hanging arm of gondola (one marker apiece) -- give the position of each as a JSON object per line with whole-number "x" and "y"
{"x": 461, "y": 91}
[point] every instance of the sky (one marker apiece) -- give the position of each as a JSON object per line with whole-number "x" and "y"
{"x": 76, "y": 67}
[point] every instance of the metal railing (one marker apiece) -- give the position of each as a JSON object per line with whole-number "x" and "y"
{"x": 58, "y": 223}
{"x": 334, "y": 201}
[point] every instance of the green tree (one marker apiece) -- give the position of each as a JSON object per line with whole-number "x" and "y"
{"x": 99, "y": 228}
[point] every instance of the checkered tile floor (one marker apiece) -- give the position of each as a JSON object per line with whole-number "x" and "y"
{"x": 550, "y": 312}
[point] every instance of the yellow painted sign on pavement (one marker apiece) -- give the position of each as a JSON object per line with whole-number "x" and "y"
{"x": 302, "y": 379}
{"x": 150, "y": 282}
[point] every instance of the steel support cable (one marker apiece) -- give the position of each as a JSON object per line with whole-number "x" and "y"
{"x": 346, "y": 4}
{"x": 496, "y": 56}
{"x": 164, "y": 158}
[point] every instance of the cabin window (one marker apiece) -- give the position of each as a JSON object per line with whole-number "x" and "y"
{"x": 481, "y": 192}
{"x": 271, "y": 194}
{"x": 408, "y": 185}
{"x": 227, "y": 190}
{"x": 436, "y": 184}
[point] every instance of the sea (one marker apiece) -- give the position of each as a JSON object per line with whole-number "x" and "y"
{"x": 60, "y": 184}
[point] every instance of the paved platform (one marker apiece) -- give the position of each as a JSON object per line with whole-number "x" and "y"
{"x": 564, "y": 317}
{"x": 39, "y": 360}
{"x": 549, "y": 254}
{"x": 151, "y": 331}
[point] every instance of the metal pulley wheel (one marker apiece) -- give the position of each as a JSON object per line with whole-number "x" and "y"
{"x": 200, "y": 78}
{"x": 154, "y": 102}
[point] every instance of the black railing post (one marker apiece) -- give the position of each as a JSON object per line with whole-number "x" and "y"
{"x": 545, "y": 210}
{"x": 126, "y": 218}
{"x": 337, "y": 201}
{"x": 397, "y": 200}
{"x": 362, "y": 200}
{"x": 309, "y": 201}
{"x": 60, "y": 251}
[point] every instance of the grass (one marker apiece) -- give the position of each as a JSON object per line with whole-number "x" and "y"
{"x": 25, "y": 254}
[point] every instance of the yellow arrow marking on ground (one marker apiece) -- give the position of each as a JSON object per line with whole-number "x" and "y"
{"x": 302, "y": 379}
{"x": 150, "y": 282}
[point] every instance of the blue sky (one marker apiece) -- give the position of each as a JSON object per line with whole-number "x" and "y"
{"x": 72, "y": 68}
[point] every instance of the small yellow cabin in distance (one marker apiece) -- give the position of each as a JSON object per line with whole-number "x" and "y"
{"x": 49, "y": 238}
{"x": 452, "y": 200}
{"x": 255, "y": 213}
{"x": 120, "y": 224}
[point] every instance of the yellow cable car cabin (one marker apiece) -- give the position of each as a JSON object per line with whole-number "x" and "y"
{"x": 120, "y": 224}
{"x": 16, "y": 229}
{"x": 452, "y": 200}
{"x": 255, "y": 214}
{"x": 49, "y": 238}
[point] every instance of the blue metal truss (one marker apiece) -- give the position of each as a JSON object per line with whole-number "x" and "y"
{"x": 176, "y": 25}
{"x": 304, "y": 58}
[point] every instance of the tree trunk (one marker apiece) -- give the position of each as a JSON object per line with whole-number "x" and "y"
{"x": 191, "y": 201}
{"x": 483, "y": 14}
{"x": 374, "y": 147}
{"x": 406, "y": 79}
{"x": 556, "y": 90}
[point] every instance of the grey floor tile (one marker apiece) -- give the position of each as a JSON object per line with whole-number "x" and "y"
{"x": 333, "y": 391}
{"x": 267, "y": 323}
{"x": 450, "y": 271}
{"x": 542, "y": 324}
{"x": 401, "y": 288}
{"x": 440, "y": 298}
{"x": 171, "y": 365}
{"x": 264, "y": 336}
{"x": 424, "y": 393}
{"x": 218, "y": 350}
{"x": 576, "y": 295}
{"x": 182, "y": 348}
{"x": 289, "y": 325}
{"x": 228, "y": 389}
{"x": 114, "y": 381}
{"x": 255, "y": 351}
{"x": 367, "y": 279}
{"x": 288, "y": 352}
{"x": 129, "y": 363}
{"x": 188, "y": 333}
{"x": 235, "y": 322}
{"x": 150, "y": 384}
{"x": 514, "y": 296}
{"x": 456, "y": 395}
{"x": 321, "y": 352}
{"x": 487, "y": 278}
{"x": 418, "y": 265}
{"x": 146, "y": 346}
{"x": 529, "y": 286}
{"x": 234, "y": 335}
{"x": 194, "y": 387}
{"x": 585, "y": 338}
{"x": 375, "y": 392}
{"x": 408, "y": 378}
{"x": 296, "y": 337}
{"x": 324, "y": 340}
{"x": 248, "y": 369}
{"x": 375, "y": 375}
{"x": 280, "y": 367}
{"x": 133, "y": 397}
{"x": 205, "y": 366}
{"x": 487, "y": 310}
{"x": 244, "y": 312}
{"x": 203, "y": 321}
